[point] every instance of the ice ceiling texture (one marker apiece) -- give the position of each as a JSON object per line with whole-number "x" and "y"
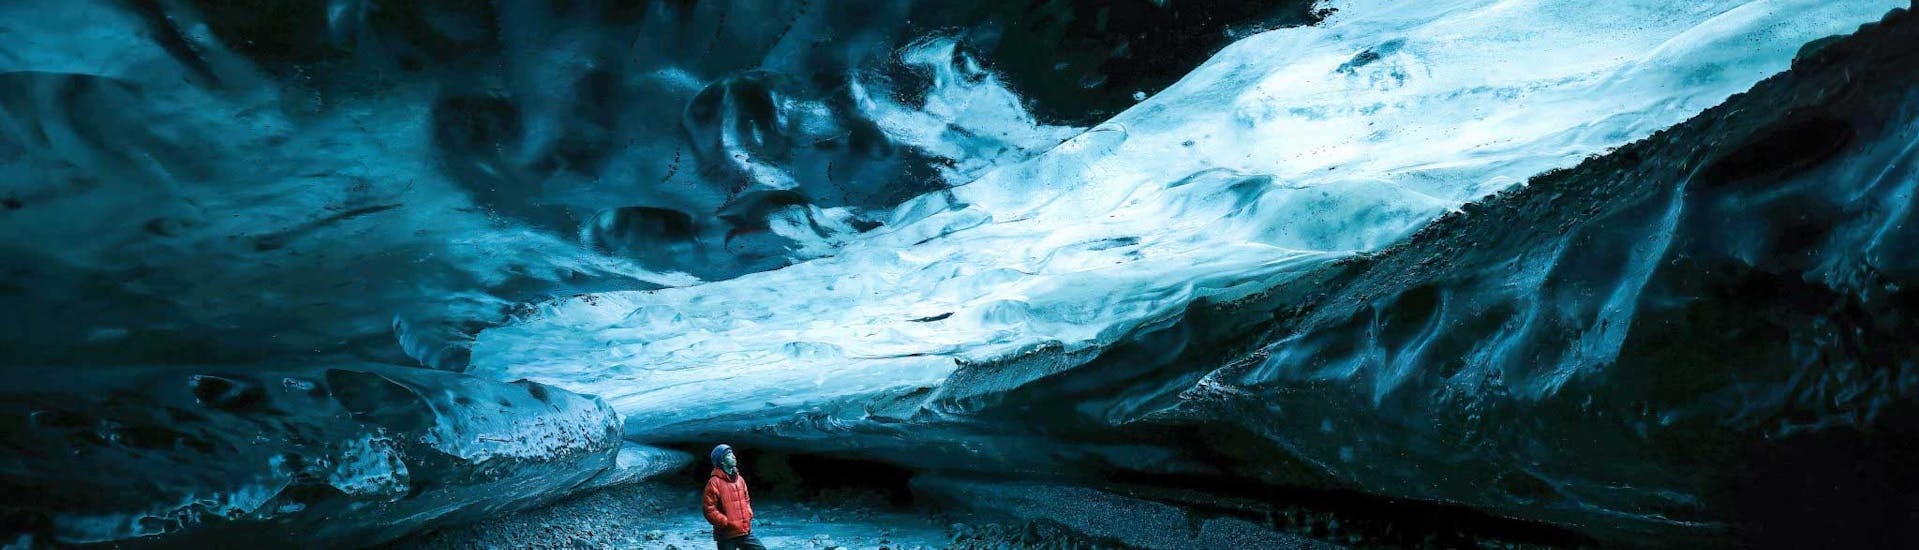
{"x": 1590, "y": 264}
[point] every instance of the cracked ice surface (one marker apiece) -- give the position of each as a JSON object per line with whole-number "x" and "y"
{"x": 1288, "y": 149}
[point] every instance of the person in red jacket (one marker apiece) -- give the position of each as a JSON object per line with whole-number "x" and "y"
{"x": 727, "y": 505}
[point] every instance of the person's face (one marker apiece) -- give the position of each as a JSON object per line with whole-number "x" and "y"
{"x": 729, "y": 461}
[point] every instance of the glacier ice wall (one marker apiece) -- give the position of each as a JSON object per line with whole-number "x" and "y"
{"x": 1185, "y": 285}
{"x": 849, "y": 227}
{"x": 1707, "y": 329}
{"x": 240, "y": 192}
{"x": 1289, "y": 149}
{"x": 344, "y": 454}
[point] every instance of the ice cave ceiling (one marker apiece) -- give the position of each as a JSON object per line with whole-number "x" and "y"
{"x": 1541, "y": 258}
{"x": 245, "y": 181}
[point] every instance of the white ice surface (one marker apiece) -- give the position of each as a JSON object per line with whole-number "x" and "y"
{"x": 1286, "y": 150}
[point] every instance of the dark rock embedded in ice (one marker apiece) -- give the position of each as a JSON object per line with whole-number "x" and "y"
{"x": 350, "y": 454}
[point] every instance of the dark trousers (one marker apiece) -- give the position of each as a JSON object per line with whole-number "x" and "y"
{"x": 742, "y": 542}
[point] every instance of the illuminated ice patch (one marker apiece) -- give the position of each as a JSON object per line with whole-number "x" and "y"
{"x": 1288, "y": 149}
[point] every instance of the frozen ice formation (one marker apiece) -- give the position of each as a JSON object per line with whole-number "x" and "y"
{"x": 636, "y": 462}
{"x": 1182, "y": 264}
{"x": 346, "y": 454}
{"x": 1501, "y": 254}
{"x": 210, "y": 182}
{"x": 1708, "y": 328}
{"x": 1287, "y": 150}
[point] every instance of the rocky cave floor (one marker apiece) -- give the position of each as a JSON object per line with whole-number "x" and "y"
{"x": 664, "y": 515}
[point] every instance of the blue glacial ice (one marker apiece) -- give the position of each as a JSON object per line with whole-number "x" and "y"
{"x": 1631, "y": 268}
{"x": 1204, "y": 264}
{"x": 342, "y": 454}
{"x": 201, "y": 178}
{"x": 1289, "y": 149}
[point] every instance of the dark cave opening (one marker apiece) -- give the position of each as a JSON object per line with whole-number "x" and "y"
{"x": 1851, "y": 487}
{"x": 809, "y": 477}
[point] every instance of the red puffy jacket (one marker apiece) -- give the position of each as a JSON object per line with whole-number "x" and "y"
{"x": 727, "y": 505}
